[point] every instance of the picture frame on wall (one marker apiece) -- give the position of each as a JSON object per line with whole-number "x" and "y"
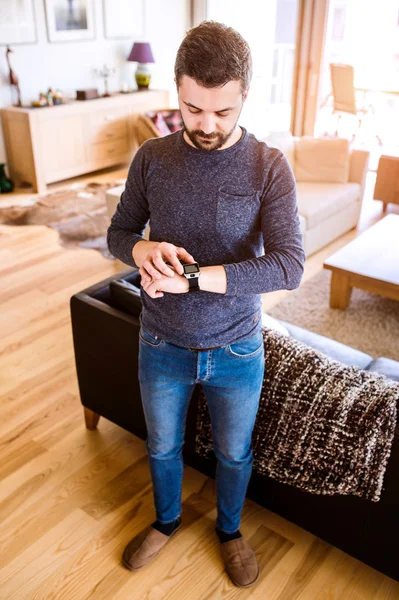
{"x": 70, "y": 20}
{"x": 124, "y": 19}
{"x": 17, "y": 22}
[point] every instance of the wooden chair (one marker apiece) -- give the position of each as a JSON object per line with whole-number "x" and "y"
{"x": 344, "y": 96}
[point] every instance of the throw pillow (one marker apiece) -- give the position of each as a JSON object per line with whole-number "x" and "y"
{"x": 159, "y": 122}
{"x": 173, "y": 119}
{"x": 318, "y": 159}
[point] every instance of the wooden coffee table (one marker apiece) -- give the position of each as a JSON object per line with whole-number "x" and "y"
{"x": 369, "y": 262}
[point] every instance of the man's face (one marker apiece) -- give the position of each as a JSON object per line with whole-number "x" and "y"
{"x": 210, "y": 115}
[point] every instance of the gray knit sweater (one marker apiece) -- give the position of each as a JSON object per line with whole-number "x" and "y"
{"x": 234, "y": 207}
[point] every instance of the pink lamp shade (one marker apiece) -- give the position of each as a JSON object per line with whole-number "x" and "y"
{"x": 141, "y": 53}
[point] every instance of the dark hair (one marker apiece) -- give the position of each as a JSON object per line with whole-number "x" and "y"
{"x": 213, "y": 54}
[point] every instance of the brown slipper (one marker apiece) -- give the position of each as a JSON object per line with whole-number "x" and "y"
{"x": 240, "y": 562}
{"x": 144, "y": 547}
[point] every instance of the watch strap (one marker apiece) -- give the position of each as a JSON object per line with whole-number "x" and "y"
{"x": 193, "y": 284}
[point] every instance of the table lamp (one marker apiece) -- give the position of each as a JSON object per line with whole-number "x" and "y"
{"x": 141, "y": 53}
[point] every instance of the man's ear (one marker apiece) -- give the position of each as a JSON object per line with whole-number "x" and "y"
{"x": 246, "y": 94}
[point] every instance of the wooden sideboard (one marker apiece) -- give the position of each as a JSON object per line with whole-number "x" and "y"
{"x": 50, "y": 144}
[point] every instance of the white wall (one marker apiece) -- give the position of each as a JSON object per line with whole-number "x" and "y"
{"x": 70, "y": 65}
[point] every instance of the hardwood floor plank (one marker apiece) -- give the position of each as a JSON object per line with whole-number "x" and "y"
{"x": 67, "y": 456}
{"x": 15, "y": 313}
{"x": 37, "y": 430}
{"x": 21, "y": 263}
{"x": 28, "y": 396}
{"x": 312, "y": 560}
{"x": 389, "y": 590}
{"x": 341, "y": 567}
{"x": 17, "y": 457}
{"x": 22, "y": 362}
{"x": 23, "y": 338}
{"x": 53, "y": 501}
{"x": 26, "y": 575}
{"x": 47, "y": 276}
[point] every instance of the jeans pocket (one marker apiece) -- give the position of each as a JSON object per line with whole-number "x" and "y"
{"x": 149, "y": 338}
{"x": 248, "y": 347}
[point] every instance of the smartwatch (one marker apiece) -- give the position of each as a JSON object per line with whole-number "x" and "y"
{"x": 192, "y": 272}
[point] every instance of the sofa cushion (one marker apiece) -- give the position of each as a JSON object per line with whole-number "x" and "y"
{"x": 284, "y": 141}
{"x": 318, "y": 201}
{"x": 318, "y": 159}
{"x": 385, "y": 366}
{"x": 331, "y": 348}
{"x": 302, "y": 223}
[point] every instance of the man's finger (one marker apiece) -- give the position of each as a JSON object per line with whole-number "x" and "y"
{"x": 149, "y": 267}
{"x": 145, "y": 276}
{"x": 162, "y": 266}
{"x": 153, "y": 292}
{"x": 147, "y": 283}
{"x": 185, "y": 256}
{"x": 176, "y": 264}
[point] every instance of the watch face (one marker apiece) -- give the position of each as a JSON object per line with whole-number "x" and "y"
{"x": 193, "y": 268}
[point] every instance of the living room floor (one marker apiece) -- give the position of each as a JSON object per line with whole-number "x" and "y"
{"x": 57, "y": 539}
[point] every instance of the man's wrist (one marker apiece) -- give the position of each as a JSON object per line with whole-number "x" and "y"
{"x": 213, "y": 279}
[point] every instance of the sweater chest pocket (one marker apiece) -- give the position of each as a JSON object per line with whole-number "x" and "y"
{"x": 237, "y": 214}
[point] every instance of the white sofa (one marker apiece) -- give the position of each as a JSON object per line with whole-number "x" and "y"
{"x": 330, "y": 179}
{"x": 330, "y": 186}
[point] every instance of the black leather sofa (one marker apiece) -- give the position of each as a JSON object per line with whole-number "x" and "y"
{"x": 105, "y": 333}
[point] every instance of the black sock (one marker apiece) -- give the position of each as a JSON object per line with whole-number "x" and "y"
{"x": 226, "y": 537}
{"x": 166, "y": 528}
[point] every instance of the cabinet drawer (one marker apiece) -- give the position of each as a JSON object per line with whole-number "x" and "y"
{"x": 61, "y": 141}
{"x": 108, "y": 125}
{"x": 104, "y": 151}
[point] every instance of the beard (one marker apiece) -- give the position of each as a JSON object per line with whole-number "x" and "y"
{"x": 213, "y": 141}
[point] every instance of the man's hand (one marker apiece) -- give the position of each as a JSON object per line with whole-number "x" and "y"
{"x": 175, "y": 285}
{"x": 154, "y": 266}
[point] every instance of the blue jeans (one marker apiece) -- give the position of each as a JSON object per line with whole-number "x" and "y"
{"x": 232, "y": 378}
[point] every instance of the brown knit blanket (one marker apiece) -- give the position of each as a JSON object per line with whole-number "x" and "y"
{"x": 322, "y": 426}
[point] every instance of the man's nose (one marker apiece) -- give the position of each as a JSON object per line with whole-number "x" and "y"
{"x": 208, "y": 124}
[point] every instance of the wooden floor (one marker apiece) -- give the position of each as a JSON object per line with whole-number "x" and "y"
{"x": 71, "y": 498}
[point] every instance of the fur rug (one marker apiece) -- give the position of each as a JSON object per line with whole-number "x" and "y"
{"x": 78, "y": 213}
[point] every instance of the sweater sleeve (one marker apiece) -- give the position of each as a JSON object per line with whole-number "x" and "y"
{"x": 282, "y": 264}
{"x": 132, "y": 212}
